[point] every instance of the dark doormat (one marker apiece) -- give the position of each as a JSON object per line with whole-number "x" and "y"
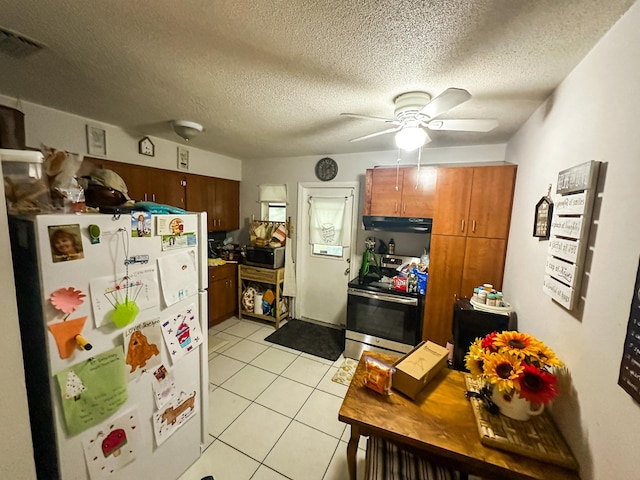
{"x": 311, "y": 338}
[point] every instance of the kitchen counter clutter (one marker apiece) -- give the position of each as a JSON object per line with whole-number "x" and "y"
{"x": 260, "y": 294}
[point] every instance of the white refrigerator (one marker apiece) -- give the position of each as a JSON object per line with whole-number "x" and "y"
{"x": 113, "y": 322}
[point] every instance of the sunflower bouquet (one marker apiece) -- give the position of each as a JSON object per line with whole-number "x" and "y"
{"x": 516, "y": 364}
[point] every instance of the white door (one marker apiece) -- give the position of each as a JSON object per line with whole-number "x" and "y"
{"x": 322, "y": 272}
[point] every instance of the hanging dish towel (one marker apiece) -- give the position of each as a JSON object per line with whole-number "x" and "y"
{"x": 326, "y": 220}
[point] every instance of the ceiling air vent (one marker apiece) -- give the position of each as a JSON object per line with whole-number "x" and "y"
{"x": 16, "y": 45}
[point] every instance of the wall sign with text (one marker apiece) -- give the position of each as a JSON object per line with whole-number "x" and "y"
{"x": 570, "y": 233}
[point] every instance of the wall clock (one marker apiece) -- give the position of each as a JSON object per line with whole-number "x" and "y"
{"x": 326, "y": 169}
{"x": 146, "y": 147}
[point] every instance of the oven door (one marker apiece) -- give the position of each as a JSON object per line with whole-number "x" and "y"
{"x": 385, "y": 316}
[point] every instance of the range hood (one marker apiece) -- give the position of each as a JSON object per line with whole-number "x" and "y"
{"x": 397, "y": 224}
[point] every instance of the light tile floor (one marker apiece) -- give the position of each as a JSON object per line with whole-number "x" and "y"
{"x": 273, "y": 411}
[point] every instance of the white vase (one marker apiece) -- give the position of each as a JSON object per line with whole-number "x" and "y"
{"x": 515, "y": 406}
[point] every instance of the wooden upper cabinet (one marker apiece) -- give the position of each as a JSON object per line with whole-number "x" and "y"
{"x": 146, "y": 184}
{"x": 491, "y": 201}
{"x": 166, "y": 187}
{"x": 386, "y": 192}
{"x": 227, "y": 204}
{"x": 474, "y": 201}
{"x": 402, "y": 192}
{"x": 224, "y": 198}
{"x": 419, "y": 192}
{"x": 453, "y": 193}
{"x": 197, "y": 197}
{"x": 219, "y": 197}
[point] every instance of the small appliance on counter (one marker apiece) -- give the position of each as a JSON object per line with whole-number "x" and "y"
{"x": 265, "y": 257}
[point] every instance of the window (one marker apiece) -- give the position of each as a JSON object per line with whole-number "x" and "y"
{"x": 273, "y": 203}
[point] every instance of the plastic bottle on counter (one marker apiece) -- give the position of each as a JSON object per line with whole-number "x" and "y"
{"x": 474, "y": 297}
{"x": 391, "y": 247}
{"x": 491, "y": 299}
{"x": 424, "y": 259}
{"x": 499, "y": 300}
{"x": 482, "y": 296}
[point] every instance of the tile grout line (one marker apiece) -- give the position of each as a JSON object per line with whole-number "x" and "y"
{"x": 328, "y": 364}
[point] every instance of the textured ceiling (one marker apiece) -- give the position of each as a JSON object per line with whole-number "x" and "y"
{"x": 269, "y": 78}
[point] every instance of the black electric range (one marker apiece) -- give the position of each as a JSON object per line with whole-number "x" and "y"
{"x": 379, "y": 317}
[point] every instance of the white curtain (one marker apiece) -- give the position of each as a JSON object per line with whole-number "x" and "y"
{"x": 273, "y": 193}
{"x": 326, "y": 223}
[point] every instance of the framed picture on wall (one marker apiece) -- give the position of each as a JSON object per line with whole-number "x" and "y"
{"x": 542, "y": 220}
{"x": 96, "y": 141}
{"x": 183, "y": 158}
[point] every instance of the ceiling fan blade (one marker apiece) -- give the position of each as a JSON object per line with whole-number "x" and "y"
{"x": 368, "y": 117}
{"x": 451, "y": 97}
{"x": 470, "y": 125}
{"x": 388, "y": 130}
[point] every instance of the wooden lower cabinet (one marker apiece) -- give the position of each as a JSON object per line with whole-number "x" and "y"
{"x": 483, "y": 263}
{"x": 223, "y": 292}
{"x": 443, "y": 285}
{"x": 457, "y": 265}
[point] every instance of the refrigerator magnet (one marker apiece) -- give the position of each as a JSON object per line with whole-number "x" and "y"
{"x": 66, "y": 243}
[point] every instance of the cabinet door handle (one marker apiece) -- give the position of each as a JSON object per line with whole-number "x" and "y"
{"x": 462, "y": 226}
{"x": 145, "y": 197}
{"x": 153, "y": 197}
{"x": 404, "y": 207}
{"x": 473, "y": 226}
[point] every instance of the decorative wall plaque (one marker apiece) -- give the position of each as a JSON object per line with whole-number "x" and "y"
{"x": 570, "y": 233}
{"x": 543, "y": 215}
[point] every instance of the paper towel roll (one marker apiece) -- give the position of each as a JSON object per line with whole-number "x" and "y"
{"x": 257, "y": 303}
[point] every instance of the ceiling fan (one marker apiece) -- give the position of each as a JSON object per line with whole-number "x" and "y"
{"x": 417, "y": 111}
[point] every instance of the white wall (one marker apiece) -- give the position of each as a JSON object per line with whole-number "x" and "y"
{"x": 593, "y": 115}
{"x": 65, "y": 131}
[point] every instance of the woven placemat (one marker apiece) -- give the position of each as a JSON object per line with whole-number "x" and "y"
{"x": 537, "y": 438}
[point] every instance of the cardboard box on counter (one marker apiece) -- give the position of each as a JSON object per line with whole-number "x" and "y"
{"x": 418, "y": 367}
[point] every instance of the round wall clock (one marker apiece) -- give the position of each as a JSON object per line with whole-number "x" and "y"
{"x": 146, "y": 147}
{"x": 326, "y": 169}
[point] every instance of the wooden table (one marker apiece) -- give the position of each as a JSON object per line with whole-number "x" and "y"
{"x": 439, "y": 423}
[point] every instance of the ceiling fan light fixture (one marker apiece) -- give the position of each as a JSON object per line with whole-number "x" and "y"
{"x": 185, "y": 129}
{"x": 410, "y": 138}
